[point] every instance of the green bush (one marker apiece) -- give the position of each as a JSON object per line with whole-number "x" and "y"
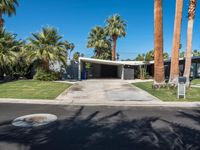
{"x": 47, "y": 75}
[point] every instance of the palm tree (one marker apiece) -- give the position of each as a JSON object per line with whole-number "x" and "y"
{"x": 159, "y": 77}
{"x": 115, "y": 29}
{"x": 174, "y": 71}
{"x": 47, "y": 47}
{"x": 69, "y": 48}
{"x": 7, "y": 7}
{"x": 98, "y": 40}
{"x": 8, "y": 48}
{"x": 76, "y": 56}
{"x": 191, "y": 15}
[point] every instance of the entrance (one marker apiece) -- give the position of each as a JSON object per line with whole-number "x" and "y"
{"x": 108, "y": 71}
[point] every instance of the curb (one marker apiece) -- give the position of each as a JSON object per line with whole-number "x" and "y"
{"x": 60, "y": 97}
{"x": 33, "y": 101}
{"x": 114, "y": 104}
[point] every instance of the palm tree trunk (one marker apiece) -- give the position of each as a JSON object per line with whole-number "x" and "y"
{"x": 46, "y": 65}
{"x": 159, "y": 77}
{"x": 188, "y": 58}
{"x": 1, "y": 20}
{"x": 114, "y": 48}
{"x": 174, "y": 71}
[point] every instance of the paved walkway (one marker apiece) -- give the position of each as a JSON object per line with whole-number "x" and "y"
{"x": 98, "y": 91}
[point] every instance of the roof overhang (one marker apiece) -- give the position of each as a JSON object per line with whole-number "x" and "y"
{"x": 109, "y": 62}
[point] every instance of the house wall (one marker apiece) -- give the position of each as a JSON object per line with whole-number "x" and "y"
{"x": 96, "y": 70}
{"x": 119, "y": 72}
{"x": 195, "y": 68}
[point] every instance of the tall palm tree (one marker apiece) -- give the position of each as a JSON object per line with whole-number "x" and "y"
{"x": 115, "y": 28}
{"x": 47, "y": 47}
{"x": 159, "y": 77}
{"x": 7, "y": 7}
{"x": 97, "y": 39}
{"x": 174, "y": 71}
{"x": 191, "y": 15}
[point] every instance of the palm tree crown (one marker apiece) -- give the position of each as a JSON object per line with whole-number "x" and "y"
{"x": 98, "y": 40}
{"x": 192, "y": 9}
{"x": 47, "y": 47}
{"x": 69, "y": 47}
{"x": 115, "y": 28}
{"x": 8, "y": 46}
{"x": 7, "y": 7}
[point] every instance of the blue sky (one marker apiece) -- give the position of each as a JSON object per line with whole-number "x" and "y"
{"x": 75, "y": 19}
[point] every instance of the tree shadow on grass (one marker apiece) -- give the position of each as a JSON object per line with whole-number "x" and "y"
{"x": 102, "y": 133}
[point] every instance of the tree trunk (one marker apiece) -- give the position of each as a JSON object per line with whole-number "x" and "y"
{"x": 46, "y": 64}
{"x": 1, "y": 20}
{"x": 159, "y": 77}
{"x": 188, "y": 60}
{"x": 174, "y": 71}
{"x": 114, "y": 48}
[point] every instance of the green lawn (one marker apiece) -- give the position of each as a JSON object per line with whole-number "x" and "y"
{"x": 195, "y": 81}
{"x": 193, "y": 94}
{"x": 31, "y": 89}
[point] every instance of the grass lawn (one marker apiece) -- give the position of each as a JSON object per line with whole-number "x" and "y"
{"x": 31, "y": 89}
{"x": 193, "y": 94}
{"x": 195, "y": 81}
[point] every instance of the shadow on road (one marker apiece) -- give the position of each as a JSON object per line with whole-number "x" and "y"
{"x": 92, "y": 133}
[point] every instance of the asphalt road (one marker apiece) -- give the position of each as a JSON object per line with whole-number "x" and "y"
{"x": 102, "y": 128}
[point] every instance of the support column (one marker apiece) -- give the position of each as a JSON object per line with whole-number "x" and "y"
{"x": 122, "y": 76}
{"x": 79, "y": 69}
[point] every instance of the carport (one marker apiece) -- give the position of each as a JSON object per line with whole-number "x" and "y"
{"x": 107, "y": 69}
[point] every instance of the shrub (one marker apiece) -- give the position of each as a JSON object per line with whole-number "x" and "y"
{"x": 47, "y": 75}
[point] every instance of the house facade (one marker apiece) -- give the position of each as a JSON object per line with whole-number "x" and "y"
{"x": 89, "y": 68}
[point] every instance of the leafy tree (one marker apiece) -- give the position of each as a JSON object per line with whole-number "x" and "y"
{"x": 22, "y": 67}
{"x": 140, "y": 57}
{"x": 98, "y": 40}
{"x": 149, "y": 56}
{"x": 47, "y": 48}
{"x": 115, "y": 28}
{"x": 146, "y": 57}
{"x": 77, "y": 55}
{"x": 7, "y": 7}
{"x": 196, "y": 53}
{"x": 182, "y": 54}
{"x": 166, "y": 56}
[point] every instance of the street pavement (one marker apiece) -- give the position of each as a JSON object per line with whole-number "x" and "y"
{"x": 102, "y": 128}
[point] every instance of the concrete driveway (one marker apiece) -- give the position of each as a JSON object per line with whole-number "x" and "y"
{"x": 98, "y": 91}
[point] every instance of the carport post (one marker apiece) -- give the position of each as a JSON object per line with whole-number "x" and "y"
{"x": 79, "y": 69}
{"x": 122, "y": 77}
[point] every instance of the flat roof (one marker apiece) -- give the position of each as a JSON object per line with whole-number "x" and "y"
{"x": 110, "y": 62}
{"x": 119, "y": 63}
